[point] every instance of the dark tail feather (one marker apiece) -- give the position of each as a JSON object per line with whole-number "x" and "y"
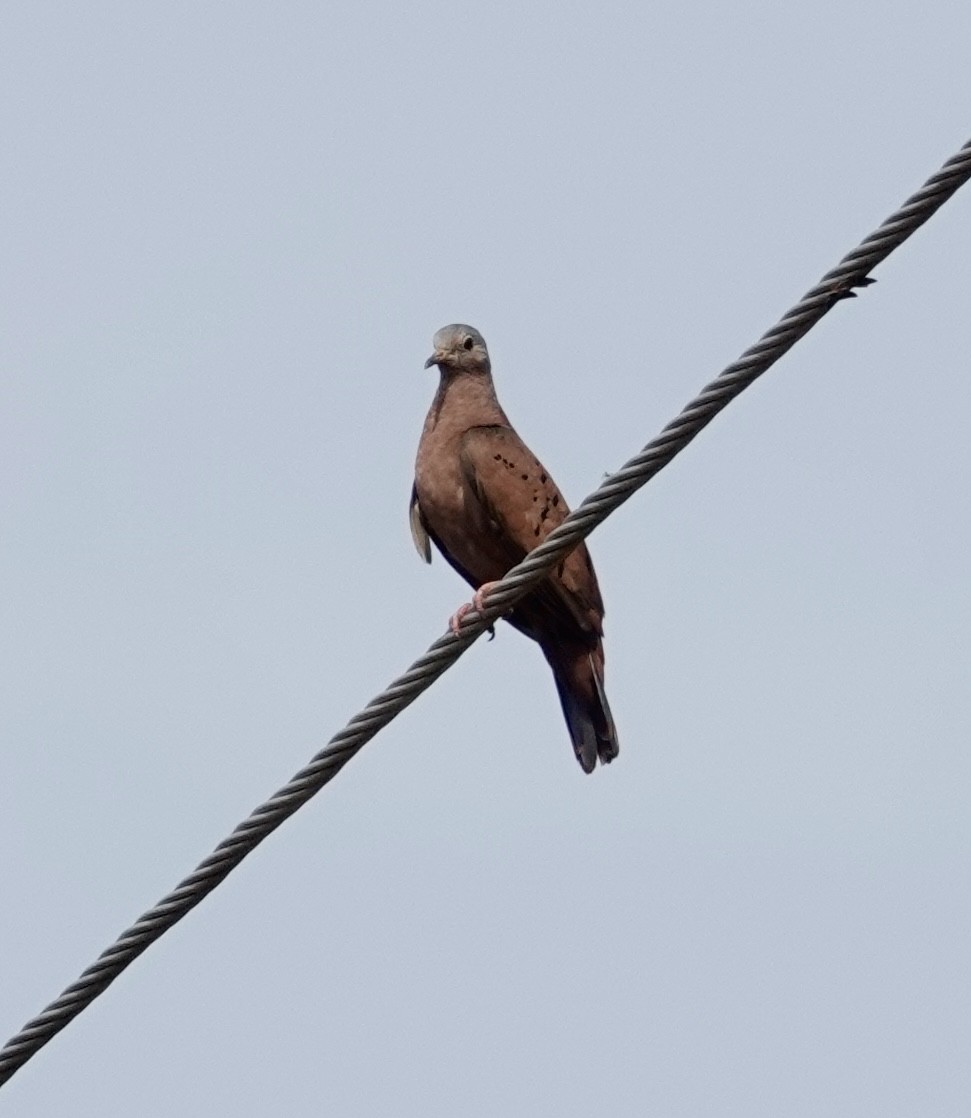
{"x": 580, "y": 686}
{"x": 607, "y": 744}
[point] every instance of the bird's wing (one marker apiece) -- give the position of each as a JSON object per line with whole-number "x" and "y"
{"x": 419, "y": 529}
{"x": 518, "y": 505}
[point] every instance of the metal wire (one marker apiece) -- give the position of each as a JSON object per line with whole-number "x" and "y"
{"x": 837, "y": 284}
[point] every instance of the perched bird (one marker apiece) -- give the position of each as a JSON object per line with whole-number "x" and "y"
{"x": 486, "y": 500}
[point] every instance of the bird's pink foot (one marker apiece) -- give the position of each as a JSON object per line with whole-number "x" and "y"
{"x": 456, "y": 619}
{"x": 478, "y": 598}
{"x": 477, "y": 603}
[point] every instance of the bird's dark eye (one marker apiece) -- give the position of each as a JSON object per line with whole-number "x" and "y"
{"x": 468, "y": 343}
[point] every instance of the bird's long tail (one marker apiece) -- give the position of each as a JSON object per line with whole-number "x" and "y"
{"x": 579, "y": 682}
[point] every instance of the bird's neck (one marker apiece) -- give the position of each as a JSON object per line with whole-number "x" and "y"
{"x": 467, "y": 397}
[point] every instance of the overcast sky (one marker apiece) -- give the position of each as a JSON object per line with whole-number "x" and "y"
{"x": 228, "y": 234}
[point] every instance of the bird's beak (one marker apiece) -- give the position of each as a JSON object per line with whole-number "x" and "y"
{"x": 436, "y": 358}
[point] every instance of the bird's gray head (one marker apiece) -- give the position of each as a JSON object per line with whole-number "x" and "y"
{"x": 459, "y": 348}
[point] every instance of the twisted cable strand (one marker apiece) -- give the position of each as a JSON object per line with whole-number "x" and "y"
{"x": 837, "y": 284}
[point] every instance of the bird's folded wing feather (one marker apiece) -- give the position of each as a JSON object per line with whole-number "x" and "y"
{"x": 419, "y": 530}
{"x": 520, "y": 505}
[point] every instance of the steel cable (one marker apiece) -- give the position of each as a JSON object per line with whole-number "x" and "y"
{"x": 837, "y": 284}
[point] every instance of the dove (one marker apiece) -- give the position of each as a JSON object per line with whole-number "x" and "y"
{"x": 485, "y": 500}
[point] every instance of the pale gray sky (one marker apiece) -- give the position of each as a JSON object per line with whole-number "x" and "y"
{"x": 229, "y": 233}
